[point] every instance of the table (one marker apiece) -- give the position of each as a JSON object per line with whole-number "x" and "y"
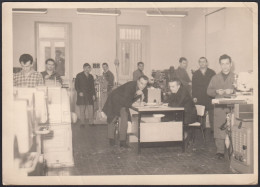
{"x": 159, "y": 131}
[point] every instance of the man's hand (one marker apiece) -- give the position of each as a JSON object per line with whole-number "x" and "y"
{"x": 220, "y": 91}
{"x": 229, "y": 91}
{"x": 94, "y": 97}
{"x": 189, "y": 83}
{"x": 139, "y": 92}
{"x": 195, "y": 100}
{"x": 81, "y": 94}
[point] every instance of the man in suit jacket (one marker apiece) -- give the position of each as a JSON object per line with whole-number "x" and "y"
{"x": 109, "y": 77}
{"x": 182, "y": 74}
{"x": 84, "y": 85}
{"x": 200, "y": 83}
{"x": 139, "y": 72}
{"x": 118, "y": 104}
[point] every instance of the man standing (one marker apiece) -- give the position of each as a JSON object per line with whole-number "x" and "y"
{"x": 221, "y": 85}
{"x": 27, "y": 77}
{"x": 109, "y": 77}
{"x": 50, "y": 74}
{"x": 200, "y": 83}
{"x": 60, "y": 68}
{"x": 118, "y": 103}
{"x": 139, "y": 72}
{"x": 182, "y": 74}
{"x": 84, "y": 85}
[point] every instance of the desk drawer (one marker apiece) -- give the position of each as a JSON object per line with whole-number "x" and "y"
{"x": 160, "y": 132}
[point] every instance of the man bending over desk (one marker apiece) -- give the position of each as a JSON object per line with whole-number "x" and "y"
{"x": 180, "y": 97}
{"x": 118, "y": 104}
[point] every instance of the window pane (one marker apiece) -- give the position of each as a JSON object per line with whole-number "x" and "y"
{"x": 51, "y": 31}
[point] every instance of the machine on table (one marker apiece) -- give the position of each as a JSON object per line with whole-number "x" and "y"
{"x": 242, "y": 126}
{"x": 44, "y": 113}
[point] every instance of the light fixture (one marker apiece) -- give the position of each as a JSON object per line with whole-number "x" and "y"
{"x": 167, "y": 13}
{"x": 99, "y": 11}
{"x": 30, "y": 10}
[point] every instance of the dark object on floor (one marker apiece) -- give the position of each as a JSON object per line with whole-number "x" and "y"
{"x": 220, "y": 156}
{"x": 123, "y": 144}
{"x": 112, "y": 142}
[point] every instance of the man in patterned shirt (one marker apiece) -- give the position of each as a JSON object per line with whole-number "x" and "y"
{"x": 27, "y": 77}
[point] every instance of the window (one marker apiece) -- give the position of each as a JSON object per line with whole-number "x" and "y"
{"x": 53, "y": 42}
{"x": 131, "y": 49}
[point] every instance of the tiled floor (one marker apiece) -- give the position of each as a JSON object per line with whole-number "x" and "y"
{"x": 94, "y": 156}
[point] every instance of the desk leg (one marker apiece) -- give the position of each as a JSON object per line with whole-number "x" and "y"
{"x": 139, "y": 121}
{"x": 183, "y": 133}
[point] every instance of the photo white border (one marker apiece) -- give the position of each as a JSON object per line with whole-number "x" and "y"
{"x": 11, "y": 178}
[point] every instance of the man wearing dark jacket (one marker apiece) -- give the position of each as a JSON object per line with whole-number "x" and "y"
{"x": 200, "y": 83}
{"x": 180, "y": 97}
{"x": 118, "y": 104}
{"x": 84, "y": 85}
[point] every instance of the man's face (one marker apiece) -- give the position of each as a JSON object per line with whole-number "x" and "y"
{"x": 203, "y": 63}
{"x": 87, "y": 69}
{"x": 26, "y": 66}
{"x": 141, "y": 83}
{"x": 174, "y": 86}
{"x": 141, "y": 67}
{"x": 58, "y": 54}
{"x": 105, "y": 68}
{"x": 50, "y": 66}
{"x": 225, "y": 66}
{"x": 184, "y": 64}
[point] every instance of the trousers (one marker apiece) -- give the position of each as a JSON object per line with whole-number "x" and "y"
{"x": 122, "y": 126}
{"x": 86, "y": 112}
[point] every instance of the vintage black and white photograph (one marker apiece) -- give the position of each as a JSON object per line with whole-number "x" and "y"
{"x": 130, "y": 93}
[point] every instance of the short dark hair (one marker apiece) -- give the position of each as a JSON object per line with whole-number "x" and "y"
{"x": 143, "y": 77}
{"x": 105, "y": 64}
{"x": 175, "y": 80}
{"x": 50, "y": 59}
{"x": 25, "y": 58}
{"x": 225, "y": 57}
{"x": 182, "y": 59}
{"x": 203, "y": 58}
{"x": 140, "y": 63}
{"x": 86, "y": 64}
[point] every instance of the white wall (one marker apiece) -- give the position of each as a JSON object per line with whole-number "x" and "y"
{"x": 193, "y": 37}
{"x": 94, "y": 37}
{"x": 235, "y": 38}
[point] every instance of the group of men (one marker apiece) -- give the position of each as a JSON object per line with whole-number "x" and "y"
{"x": 204, "y": 86}
{"x": 28, "y": 77}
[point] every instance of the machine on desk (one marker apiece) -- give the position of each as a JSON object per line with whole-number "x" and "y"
{"x": 242, "y": 126}
{"x": 242, "y": 138}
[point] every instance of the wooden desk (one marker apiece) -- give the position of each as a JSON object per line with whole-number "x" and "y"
{"x": 171, "y": 131}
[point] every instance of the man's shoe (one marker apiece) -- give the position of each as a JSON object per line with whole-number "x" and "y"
{"x": 220, "y": 156}
{"x": 123, "y": 144}
{"x": 112, "y": 142}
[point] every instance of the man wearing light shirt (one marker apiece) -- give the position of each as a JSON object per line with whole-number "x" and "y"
{"x": 27, "y": 77}
{"x": 220, "y": 86}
